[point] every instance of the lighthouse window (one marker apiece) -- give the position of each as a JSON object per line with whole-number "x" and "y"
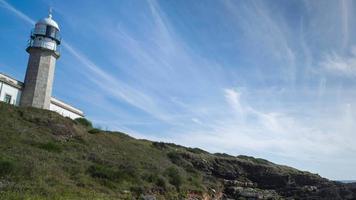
{"x": 51, "y": 31}
{"x": 7, "y": 98}
{"x": 40, "y": 29}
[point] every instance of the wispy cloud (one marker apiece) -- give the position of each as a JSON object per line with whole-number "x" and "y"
{"x": 17, "y": 12}
{"x": 269, "y": 32}
{"x": 276, "y": 132}
{"x": 115, "y": 87}
{"x": 338, "y": 65}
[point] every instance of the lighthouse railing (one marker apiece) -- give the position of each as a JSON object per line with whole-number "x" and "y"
{"x": 55, "y": 36}
{"x": 42, "y": 44}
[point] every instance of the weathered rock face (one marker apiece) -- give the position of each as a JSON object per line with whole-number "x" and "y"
{"x": 249, "y": 178}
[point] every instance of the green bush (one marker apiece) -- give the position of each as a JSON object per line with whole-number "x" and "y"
{"x": 197, "y": 150}
{"x": 175, "y": 177}
{"x": 94, "y": 131}
{"x": 6, "y": 167}
{"x": 137, "y": 190}
{"x": 50, "y": 146}
{"x": 113, "y": 173}
{"x": 159, "y": 145}
{"x": 103, "y": 172}
{"x": 175, "y": 158}
{"x": 85, "y": 122}
{"x": 253, "y": 159}
{"x": 224, "y": 155}
{"x": 160, "y": 182}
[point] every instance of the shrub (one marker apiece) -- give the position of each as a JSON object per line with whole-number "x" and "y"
{"x": 224, "y": 155}
{"x": 175, "y": 158}
{"x": 174, "y": 177}
{"x": 50, "y": 146}
{"x": 159, "y": 145}
{"x": 94, "y": 131}
{"x": 113, "y": 174}
{"x": 196, "y": 150}
{"x": 252, "y": 159}
{"x": 137, "y": 190}
{"x": 84, "y": 122}
{"x": 6, "y": 167}
{"x": 160, "y": 182}
{"x": 103, "y": 172}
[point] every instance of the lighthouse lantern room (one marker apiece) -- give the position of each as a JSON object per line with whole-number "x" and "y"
{"x": 46, "y": 35}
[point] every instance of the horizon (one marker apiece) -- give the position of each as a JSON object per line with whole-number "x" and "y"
{"x": 269, "y": 79}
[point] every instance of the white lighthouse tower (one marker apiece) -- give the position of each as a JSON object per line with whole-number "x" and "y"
{"x": 43, "y": 48}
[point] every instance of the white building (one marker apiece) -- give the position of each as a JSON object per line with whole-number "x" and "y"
{"x": 36, "y": 90}
{"x": 11, "y": 89}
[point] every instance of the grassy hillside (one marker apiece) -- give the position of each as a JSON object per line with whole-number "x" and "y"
{"x": 46, "y": 156}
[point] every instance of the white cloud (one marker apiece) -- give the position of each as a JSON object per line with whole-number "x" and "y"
{"x": 233, "y": 98}
{"x": 196, "y": 120}
{"x": 336, "y": 64}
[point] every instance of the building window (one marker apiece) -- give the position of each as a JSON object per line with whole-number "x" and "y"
{"x": 7, "y": 98}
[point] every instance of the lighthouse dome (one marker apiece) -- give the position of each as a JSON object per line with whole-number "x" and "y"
{"x": 48, "y": 21}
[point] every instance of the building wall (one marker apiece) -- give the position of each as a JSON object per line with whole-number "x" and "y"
{"x": 14, "y": 92}
{"x": 63, "y": 111}
{"x": 13, "y": 87}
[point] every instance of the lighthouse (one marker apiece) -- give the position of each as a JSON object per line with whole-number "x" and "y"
{"x": 36, "y": 90}
{"x": 43, "y": 49}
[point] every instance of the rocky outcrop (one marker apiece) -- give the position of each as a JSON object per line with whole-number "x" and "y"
{"x": 249, "y": 178}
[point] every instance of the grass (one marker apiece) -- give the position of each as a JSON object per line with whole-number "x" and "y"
{"x": 50, "y": 147}
{"x": 58, "y": 158}
{"x": 46, "y": 156}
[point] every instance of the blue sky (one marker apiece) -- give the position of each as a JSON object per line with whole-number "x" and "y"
{"x": 272, "y": 79}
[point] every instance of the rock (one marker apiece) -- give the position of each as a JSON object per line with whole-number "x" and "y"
{"x": 148, "y": 197}
{"x": 310, "y": 188}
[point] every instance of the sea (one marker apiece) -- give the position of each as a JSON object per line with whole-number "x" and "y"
{"x": 347, "y": 181}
